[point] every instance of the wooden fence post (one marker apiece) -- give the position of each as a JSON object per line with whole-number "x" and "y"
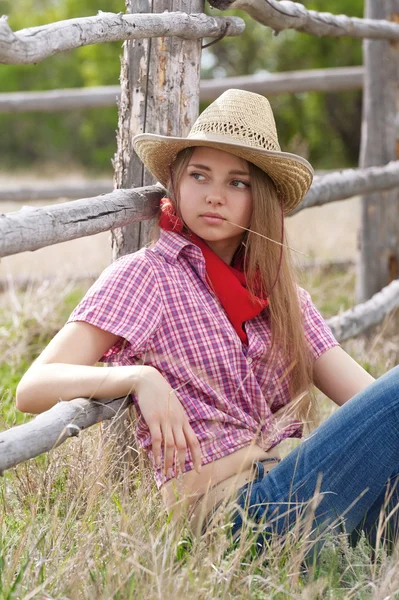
{"x": 379, "y": 233}
{"x": 160, "y": 81}
{"x": 160, "y": 94}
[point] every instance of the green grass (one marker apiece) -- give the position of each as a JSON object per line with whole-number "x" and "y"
{"x": 71, "y": 529}
{"x": 34, "y": 319}
{"x": 333, "y": 293}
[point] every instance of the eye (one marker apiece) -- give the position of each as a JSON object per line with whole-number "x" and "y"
{"x": 197, "y": 176}
{"x": 240, "y": 184}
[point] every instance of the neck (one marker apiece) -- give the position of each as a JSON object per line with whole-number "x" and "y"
{"x": 224, "y": 252}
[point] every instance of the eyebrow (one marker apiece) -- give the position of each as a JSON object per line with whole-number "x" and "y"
{"x": 206, "y": 168}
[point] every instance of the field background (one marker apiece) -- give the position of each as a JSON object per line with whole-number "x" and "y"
{"x": 76, "y": 524}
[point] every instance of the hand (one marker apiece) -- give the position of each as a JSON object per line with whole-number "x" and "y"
{"x": 166, "y": 420}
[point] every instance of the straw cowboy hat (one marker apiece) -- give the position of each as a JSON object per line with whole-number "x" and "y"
{"x": 241, "y": 123}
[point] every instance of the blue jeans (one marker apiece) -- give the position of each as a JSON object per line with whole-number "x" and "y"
{"x": 348, "y": 465}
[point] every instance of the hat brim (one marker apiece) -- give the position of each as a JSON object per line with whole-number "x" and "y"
{"x": 292, "y": 174}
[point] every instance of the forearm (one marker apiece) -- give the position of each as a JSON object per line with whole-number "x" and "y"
{"x": 43, "y": 385}
{"x": 340, "y": 377}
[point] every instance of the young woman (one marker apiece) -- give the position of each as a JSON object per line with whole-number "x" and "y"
{"x": 209, "y": 332}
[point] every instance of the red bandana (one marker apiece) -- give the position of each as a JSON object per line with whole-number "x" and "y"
{"x": 228, "y": 282}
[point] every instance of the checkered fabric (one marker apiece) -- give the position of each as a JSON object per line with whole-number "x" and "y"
{"x": 160, "y": 304}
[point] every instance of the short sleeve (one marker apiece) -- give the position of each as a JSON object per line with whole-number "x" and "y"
{"x": 125, "y": 301}
{"x": 318, "y": 335}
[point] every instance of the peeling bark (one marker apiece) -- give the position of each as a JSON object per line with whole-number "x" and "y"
{"x": 159, "y": 94}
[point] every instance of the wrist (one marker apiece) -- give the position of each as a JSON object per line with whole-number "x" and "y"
{"x": 141, "y": 374}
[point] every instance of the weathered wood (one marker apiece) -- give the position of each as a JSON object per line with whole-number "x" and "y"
{"x": 361, "y": 317}
{"x": 269, "y": 84}
{"x": 326, "y": 188}
{"x": 66, "y": 419}
{"x": 160, "y": 94}
{"x": 379, "y": 231}
{"x": 51, "y": 190}
{"x": 282, "y": 14}
{"x": 128, "y": 169}
{"x": 37, "y": 43}
{"x": 58, "y": 100}
{"x": 51, "y": 428}
{"x": 32, "y": 228}
{"x": 347, "y": 183}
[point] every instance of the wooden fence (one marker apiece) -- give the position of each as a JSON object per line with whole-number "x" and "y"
{"x": 314, "y": 80}
{"x": 149, "y": 79}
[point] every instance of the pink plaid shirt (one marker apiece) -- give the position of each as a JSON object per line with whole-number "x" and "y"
{"x": 159, "y": 302}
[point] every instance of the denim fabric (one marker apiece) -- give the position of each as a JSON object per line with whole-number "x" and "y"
{"x": 351, "y": 459}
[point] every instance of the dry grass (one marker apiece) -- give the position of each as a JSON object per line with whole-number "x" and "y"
{"x": 70, "y": 529}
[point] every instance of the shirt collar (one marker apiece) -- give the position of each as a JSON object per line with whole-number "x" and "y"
{"x": 171, "y": 244}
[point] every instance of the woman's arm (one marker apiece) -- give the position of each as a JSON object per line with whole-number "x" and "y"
{"x": 338, "y": 376}
{"x": 65, "y": 370}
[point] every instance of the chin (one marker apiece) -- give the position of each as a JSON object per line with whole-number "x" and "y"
{"x": 208, "y": 237}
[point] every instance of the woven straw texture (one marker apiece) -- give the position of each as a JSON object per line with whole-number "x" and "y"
{"x": 250, "y": 122}
{"x": 242, "y": 123}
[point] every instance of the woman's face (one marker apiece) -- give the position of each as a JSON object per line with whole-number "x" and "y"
{"x": 216, "y": 182}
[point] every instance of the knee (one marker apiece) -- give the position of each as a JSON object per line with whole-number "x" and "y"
{"x": 389, "y": 383}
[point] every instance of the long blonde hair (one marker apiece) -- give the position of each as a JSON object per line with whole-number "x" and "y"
{"x": 263, "y": 257}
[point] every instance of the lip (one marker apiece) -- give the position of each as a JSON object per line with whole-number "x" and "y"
{"x": 213, "y": 216}
{"x": 212, "y": 219}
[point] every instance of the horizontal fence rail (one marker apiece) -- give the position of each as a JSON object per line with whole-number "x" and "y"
{"x": 269, "y": 84}
{"x": 280, "y": 15}
{"x": 32, "y": 228}
{"x": 55, "y": 189}
{"x": 341, "y": 185}
{"x": 68, "y": 419}
{"x": 51, "y": 428}
{"x": 37, "y": 43}
{"x": 361, "y": 317}
{"x": 290, "y": 82}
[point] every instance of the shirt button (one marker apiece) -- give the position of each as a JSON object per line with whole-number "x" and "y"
{"x": 249, "y": 361}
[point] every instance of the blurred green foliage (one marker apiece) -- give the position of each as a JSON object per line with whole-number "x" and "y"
{"x": 323, "y": 127}
{"x": 85, "y": 137}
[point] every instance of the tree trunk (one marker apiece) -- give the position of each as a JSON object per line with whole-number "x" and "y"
{"x": 159, "y": 94}
{"x": 379, "y": 234}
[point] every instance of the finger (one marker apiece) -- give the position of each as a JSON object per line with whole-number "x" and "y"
{"x": 195, "y": 448}
{"x": 156, "y": 440}
{"x": 168, "y": 448}
{"x": 181, "y": 446}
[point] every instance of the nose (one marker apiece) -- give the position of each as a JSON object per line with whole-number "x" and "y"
{"x": 216, "y": 195}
